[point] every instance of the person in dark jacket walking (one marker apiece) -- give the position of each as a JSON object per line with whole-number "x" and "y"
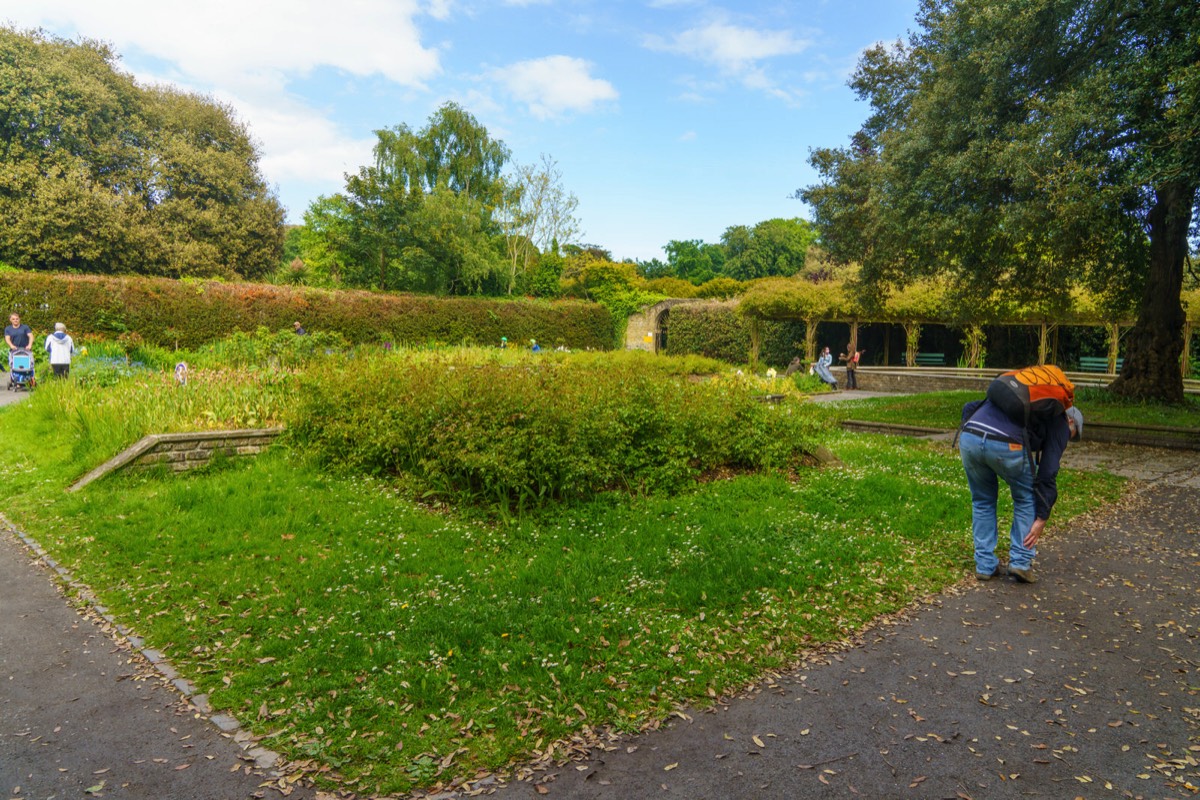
{"x": 992, "y": 448}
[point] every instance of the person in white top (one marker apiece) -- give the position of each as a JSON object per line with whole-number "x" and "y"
{"x": 60, "y": 347}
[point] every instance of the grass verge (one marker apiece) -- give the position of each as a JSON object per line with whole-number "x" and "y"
{"x": 398, "y": 649}
{"x": 944, "y": 409}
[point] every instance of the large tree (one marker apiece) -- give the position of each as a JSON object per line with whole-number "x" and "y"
{"x": 1025, "y": 145}
{"x": 538, "y": 215}
{"x": 695, "y": 260}
{"x": 99, "y": 174}
{"x": 420, "y": 217}
{"x": 773, "y": 248}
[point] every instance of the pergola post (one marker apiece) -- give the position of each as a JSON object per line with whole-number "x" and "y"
{"x": 1114, "y": 346}
{"x": 755, "y": 342}
{"x": 810, "y": 339}
{"x": 1044, "y": 341}
{"x": 974, "y": 340}
{"x": 912, "y": 341}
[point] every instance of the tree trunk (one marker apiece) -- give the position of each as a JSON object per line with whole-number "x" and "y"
{"x": 1151, "y": 369}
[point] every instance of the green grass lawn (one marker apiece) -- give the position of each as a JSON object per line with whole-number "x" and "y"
{"x": 944, "y": 409}
{"x": 403, "y": 648}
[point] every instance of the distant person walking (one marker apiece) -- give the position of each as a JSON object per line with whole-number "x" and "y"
{"x": 299, "y": 329}
{"x": 60, "y": 348}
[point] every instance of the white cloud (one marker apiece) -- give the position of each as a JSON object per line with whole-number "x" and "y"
{"x": 440, "y": 9}
{"x": 230, "y": 42}
{"x": 247, "y": 53}
{"x": 689, "y": 136}
{"x": 738, "y": 53}
{"x": 554, "y": 85}
{"x": 731, "y": 48}
{"x": 299, "y": 144}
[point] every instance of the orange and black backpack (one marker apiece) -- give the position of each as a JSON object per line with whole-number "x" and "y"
{"x": 1026, "y": 395}
{"x": 1031, "y": 393}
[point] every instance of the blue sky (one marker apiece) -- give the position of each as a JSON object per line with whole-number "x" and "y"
{"x": 669, "y": 119}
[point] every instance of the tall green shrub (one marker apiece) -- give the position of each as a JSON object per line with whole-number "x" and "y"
{"x": 518, "y": 436}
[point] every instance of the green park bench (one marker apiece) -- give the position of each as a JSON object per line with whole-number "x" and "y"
{"x": 1097, "y": 363}
{"x": 931, "y": 359}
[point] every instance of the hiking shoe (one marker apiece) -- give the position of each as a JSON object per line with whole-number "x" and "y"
{"x": 986, "y": 576}
{"x": 1023, "y": 575}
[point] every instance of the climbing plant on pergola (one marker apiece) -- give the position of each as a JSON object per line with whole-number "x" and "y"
{"x": 936, "y": 302}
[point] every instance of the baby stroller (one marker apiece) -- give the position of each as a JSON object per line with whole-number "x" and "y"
{"x": 20, "y": 371}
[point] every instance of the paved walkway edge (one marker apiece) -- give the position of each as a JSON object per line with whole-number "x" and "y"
{"x": 84, "y": 599}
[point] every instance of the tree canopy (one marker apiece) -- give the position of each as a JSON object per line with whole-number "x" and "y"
{"x": 1024, "y": 146}
{"x": 100, "y": 174}
{"x": 770, "y": 249}
{"x": 442, "y": 210}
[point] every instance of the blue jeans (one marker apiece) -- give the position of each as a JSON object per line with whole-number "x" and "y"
{"x": 986, "y": 461}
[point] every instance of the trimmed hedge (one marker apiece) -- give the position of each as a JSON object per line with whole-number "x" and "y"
{"x": 712, "y": 330}
{"x": 716, "y": 330}
{"x": 188, "y": 314}
{"x": 782, "y": 340}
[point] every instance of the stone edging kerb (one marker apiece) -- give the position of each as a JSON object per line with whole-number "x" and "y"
{"x": 183, "y": 451}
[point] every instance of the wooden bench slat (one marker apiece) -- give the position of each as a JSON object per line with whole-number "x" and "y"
{"x": 1097, "y": 363}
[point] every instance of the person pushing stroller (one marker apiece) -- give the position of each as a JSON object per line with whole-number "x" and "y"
{"x": 18, "y": 336}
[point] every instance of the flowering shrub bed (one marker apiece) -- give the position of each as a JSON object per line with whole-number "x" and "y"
{"x": 516, "y": 435}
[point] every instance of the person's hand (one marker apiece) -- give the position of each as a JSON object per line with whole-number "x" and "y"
{"x": 1035, "y": 532}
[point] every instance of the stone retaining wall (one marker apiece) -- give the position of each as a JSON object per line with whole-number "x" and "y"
{"x": 184, "y": 451}
{"x": 934, "y": 379}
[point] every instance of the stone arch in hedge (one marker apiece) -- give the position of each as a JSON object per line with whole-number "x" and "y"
{"x": 647, "y": 329}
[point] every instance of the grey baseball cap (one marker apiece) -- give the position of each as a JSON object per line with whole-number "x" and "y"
{"x": 1077, "y": 417}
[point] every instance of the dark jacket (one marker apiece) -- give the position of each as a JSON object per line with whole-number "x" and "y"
{"x": 1047, "y": 441}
